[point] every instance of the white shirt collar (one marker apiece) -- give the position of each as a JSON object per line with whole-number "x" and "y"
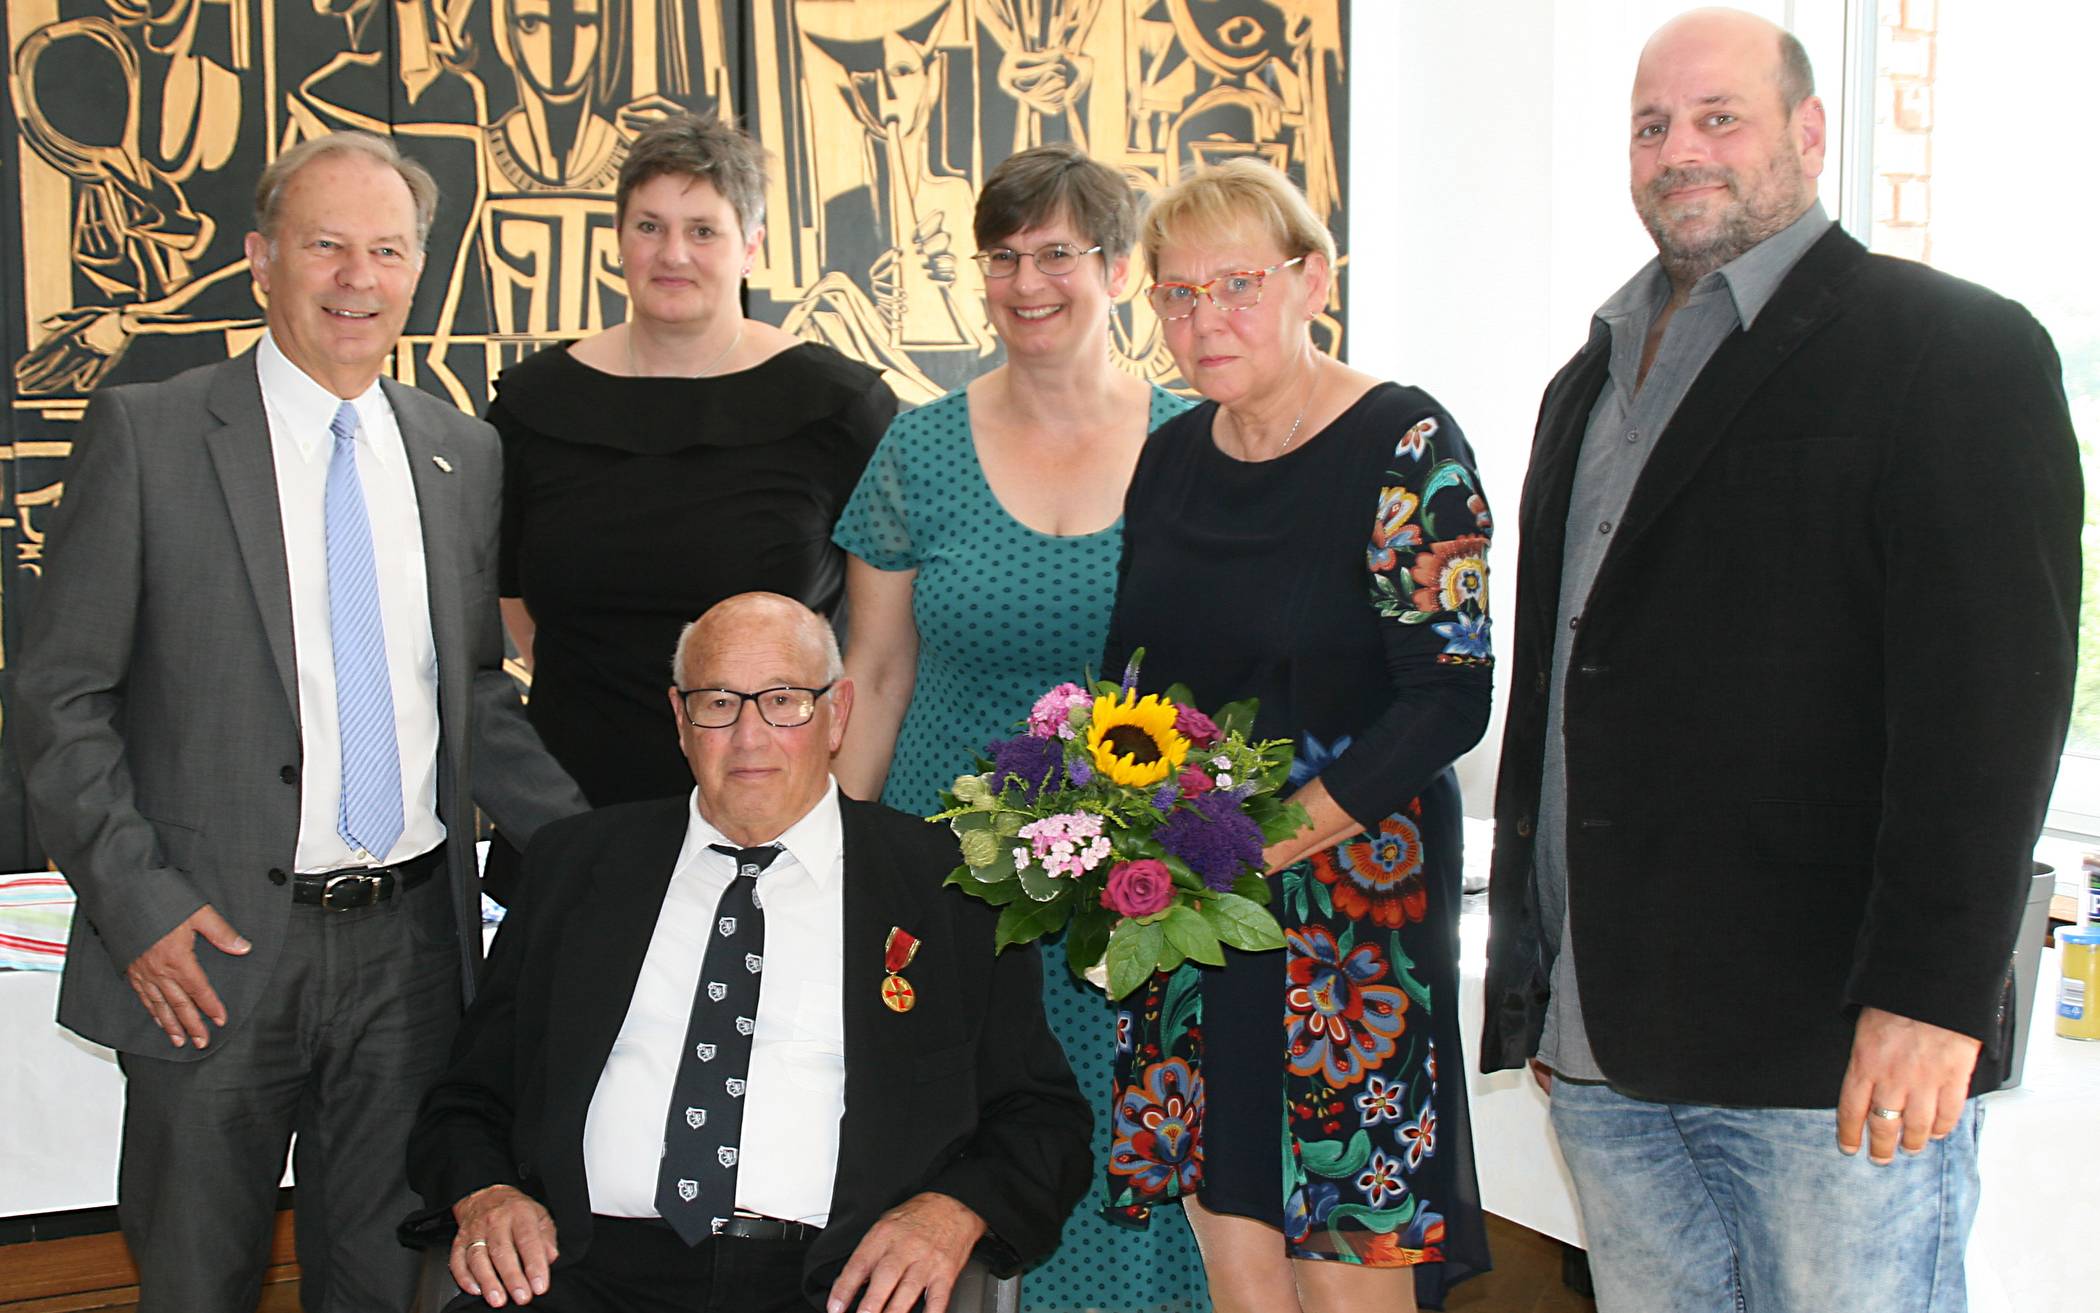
{"x": 814, "y": 841}
{"x": 307, "y": 408}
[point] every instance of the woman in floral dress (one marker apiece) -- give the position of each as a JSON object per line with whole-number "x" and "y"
{"x": 1316, "y": 539}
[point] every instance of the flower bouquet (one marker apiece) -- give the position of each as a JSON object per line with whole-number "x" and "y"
{"x": 1134, "y": 823}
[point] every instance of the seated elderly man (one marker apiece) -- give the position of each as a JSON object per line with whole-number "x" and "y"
{"x": 746, "y": 1052}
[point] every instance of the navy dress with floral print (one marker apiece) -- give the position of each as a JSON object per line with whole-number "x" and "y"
{"x": 1344, "y": 584}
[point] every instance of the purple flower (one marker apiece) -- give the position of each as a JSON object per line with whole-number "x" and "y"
{"x": 1214, "y": 838}
{"x": 1077, "y": 771}
{"x": 1130, "y": 673}
{"x": 1032, "y": 762}
{"x": 1163, "y": 798}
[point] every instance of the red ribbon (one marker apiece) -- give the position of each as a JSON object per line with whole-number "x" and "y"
{"x": 899, "y": 949}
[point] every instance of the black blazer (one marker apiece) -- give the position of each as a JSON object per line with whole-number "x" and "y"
{"x": 1816, "y": 700}
{"x": 968, "y": 1094}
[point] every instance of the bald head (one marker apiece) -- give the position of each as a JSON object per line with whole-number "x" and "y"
{"x": 753, "y": 664}
{"x": 1747, "y": 42}
{"x": 1724, "y": 153}
{"x": 757, "y": 615}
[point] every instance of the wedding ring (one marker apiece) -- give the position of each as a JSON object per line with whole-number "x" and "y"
{"x": 1887, "y": 1114}
{"x": 477, "y": 1244}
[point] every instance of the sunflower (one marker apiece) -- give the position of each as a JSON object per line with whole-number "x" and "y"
{"x": 1133, "y": 741}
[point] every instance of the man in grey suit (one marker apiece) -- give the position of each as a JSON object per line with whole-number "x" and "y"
{"x": 260, "y": 696}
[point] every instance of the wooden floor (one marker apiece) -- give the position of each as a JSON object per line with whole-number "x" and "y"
{"x": 1526, "y": 1278}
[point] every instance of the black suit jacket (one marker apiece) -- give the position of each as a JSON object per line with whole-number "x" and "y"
{"x": 968, "y": 1094}
{"x": 1817, "y": 696}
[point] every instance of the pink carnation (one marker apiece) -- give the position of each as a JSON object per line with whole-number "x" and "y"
{"x": 1196, "y": 727}
{"x": 1138, "y": 888}
{"x": 1051, "y": 717}
{"x": 1194, "y": 783}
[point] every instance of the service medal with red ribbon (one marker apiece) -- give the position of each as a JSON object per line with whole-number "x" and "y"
{"x": 897, "y": 952}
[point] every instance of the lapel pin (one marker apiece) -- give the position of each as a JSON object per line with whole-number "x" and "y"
{"x": 442, "y": 463}
{"x": 898, "y": 949}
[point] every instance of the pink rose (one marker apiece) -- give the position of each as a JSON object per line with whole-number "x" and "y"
{"x": 1138, "y": 888}
{"x": 1196, "y": 727}
{"x": 1194, "y": 783}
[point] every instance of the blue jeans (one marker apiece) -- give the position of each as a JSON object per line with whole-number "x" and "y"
{"x": 1698, "y": 1209}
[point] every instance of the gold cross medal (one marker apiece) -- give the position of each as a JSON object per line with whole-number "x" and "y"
{"x": 897, "y": 952}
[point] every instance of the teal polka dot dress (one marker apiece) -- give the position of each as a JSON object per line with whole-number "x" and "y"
{"x": 1004, "y": 613}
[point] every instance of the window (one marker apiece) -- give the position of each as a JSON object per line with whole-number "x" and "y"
{"x": 1971, "y": 158}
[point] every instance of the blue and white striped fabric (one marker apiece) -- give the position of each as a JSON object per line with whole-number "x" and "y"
{"x": 369, "y": 815}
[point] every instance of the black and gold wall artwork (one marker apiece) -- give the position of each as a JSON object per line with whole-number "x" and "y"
{"x": 134, "y": 131}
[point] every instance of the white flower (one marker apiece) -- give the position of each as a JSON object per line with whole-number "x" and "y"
{"x": 1224, "y": 779}
{"x": 1020, "y": 857}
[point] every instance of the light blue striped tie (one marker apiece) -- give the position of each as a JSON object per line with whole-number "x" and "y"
{"x": 368, "y": 815}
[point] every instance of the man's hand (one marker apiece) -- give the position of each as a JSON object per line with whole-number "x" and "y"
{"x": 1913, "y": 1067}
{"x": 1543, "y": 1074}
{"x": 504, "y": 1246}
{"x": 916, "y": 1248}
{"x": 173, "y": 987}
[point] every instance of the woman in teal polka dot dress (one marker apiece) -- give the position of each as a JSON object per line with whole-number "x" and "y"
{"x": 984, "y": 538}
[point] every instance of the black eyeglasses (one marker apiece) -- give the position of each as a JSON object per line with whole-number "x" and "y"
{"x": 1059, "y": 258}
{"x": 718, "y": 708}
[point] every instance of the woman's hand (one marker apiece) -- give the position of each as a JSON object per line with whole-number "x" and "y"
{"x": 1326, "y": 825}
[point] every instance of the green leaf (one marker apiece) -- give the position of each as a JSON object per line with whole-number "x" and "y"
{"x": 998, "y": 895}
{"x": 1238, "y": 717}
{"x": 1180, "y": 695}
{"x": 1133, "y": 955}
{"x": 1040, "y": 885}
{"x": 1332, "y": 1158}
{"x": 1190, "y": 935}
{"x": 1170, "y": 958}
{"x": 972, "y": 820}
{"x": 1252, "y": 888}
{"x": 1243, "y": 924}
{"x": 1087, "y": 939}
{"x": 1183, "y": 877}
{"x": 1024, "y": 921}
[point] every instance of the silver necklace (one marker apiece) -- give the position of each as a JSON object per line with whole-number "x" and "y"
{"x": 634, "y": 367}
{"x": 1292, "y": 436}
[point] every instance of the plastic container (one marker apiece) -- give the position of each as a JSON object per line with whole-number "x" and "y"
{"x": 2078, "y": 995}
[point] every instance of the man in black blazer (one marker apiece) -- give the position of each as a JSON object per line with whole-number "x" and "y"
{"x": 1797, "y": 597}
{"x": 903, "y": 1104}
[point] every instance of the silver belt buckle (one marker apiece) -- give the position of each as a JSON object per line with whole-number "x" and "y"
{"x": 363, "y": 881}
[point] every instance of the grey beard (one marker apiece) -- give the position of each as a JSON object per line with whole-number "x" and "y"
{"x": 1743, "y": 224}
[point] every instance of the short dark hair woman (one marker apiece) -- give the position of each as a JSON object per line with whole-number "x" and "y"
{"x": 666, "y": 463}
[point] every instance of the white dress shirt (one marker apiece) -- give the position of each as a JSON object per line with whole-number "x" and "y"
{"x": 796, "y": 1092}
{"x": 300, "y": 412}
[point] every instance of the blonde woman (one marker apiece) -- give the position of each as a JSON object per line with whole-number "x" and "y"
{"x": 1314, "y": 538}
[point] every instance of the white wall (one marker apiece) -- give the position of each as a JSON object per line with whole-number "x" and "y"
{"x": 1490, "y": 217}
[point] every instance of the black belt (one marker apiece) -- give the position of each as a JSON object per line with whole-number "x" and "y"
{"x": 362, "y": 886}
{"x": 743, "y": 1227}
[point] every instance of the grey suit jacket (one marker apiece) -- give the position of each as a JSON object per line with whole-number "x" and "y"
{"x": 156, "y": 706}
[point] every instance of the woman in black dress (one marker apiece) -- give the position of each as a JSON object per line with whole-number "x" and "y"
{"x": 1314, "y": 538}
{"x": 667, "y": 463}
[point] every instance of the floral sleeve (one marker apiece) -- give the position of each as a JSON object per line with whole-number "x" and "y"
{"x": 1427, "y": 564}
{"x": 1428, "y": 552}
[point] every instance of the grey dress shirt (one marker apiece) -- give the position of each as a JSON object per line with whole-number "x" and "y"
{"x": 1630, "y": 414}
